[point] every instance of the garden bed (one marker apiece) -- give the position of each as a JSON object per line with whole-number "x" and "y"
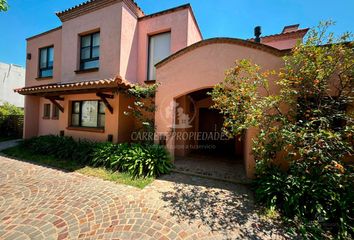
{"x": 132, "y": 164}
{"x": 20, "y": 153}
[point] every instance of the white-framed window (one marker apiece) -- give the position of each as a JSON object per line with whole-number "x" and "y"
{"x": 88, "y": 114}
{"x": 159, "y": 49}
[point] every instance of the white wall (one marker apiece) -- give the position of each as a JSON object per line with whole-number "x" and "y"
{"x": 11, "y": 77}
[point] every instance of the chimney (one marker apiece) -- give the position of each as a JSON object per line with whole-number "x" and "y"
{"x": 290, "y": 28}
{"x": 257, "y": 34}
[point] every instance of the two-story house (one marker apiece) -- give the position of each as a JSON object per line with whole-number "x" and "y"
{"x": 76, "y": 71}
{"x": 77, "y": 75}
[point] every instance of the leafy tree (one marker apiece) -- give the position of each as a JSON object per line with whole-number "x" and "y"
{"x": 144, "y": 107}
{"x": 3, "y": 5}
{"x": 9, "y": 109}
{"x": 310, "y": 116}
{"x": 9, "y": 116}
{"x": 304, "y": 113}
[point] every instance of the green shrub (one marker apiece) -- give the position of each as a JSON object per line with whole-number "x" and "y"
{"x": 7, "y": 109}
{"x": 147, "y": 161}
{"x": 137, "y": 159}
{"x": 83, "y": 151}
{"x": 303, "y": 116}
{"x": 61, "y": 147}
{"x": 318, "y": 197}
{"x": 109, "y": 155}
{"x": 11, "y": 121}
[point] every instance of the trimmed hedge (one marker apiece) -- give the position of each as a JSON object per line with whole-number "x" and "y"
{"x": 136, "y": 159}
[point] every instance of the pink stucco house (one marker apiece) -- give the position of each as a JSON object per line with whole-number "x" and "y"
{"x": 78, "y": 74}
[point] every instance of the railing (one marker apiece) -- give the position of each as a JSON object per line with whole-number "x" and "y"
{"x": 11, "y": 126}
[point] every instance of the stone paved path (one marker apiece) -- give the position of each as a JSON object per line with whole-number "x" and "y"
{"x": 8, "y": 144}
{"x": 212, "y": 167}
{"x": 43, "y": 203}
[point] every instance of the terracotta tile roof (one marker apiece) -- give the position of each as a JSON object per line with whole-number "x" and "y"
{"x": 93, "y": 5}
{"x": 236, "y": 41}
{"x": 300, "y": 33}
{"x": 85, "y": 85}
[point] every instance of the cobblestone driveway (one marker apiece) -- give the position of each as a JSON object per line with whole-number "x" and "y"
{"x": 43, "y": 203}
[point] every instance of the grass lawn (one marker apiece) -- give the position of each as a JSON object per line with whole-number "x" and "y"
{"x": 52, "y": 161}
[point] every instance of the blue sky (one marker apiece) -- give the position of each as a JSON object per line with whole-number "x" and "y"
{"x": 222, "y": 18}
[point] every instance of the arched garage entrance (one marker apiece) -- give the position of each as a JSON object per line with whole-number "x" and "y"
{"x": 186, "y": 76}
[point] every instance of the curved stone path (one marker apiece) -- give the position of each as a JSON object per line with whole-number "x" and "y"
{"x": 37, "y": 202}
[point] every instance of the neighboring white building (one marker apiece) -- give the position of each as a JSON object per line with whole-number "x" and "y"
{"x": 11, "y": 77}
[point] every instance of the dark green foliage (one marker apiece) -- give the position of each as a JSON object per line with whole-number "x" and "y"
{"x": 83, "y": 151}
{"x": 3, "y": 5}
{"x": 136, "y": 159}
{"x": 318, "y": 197}
{"x": 11, "y": 121}
{"x": 307, "y": 122}
{"x": 8, "y": 109}
{"x": 147, "y": 161}
{"x": 143, "y": 108}
{"x": 61, "y": 147}
{"x": 110, "y": 155}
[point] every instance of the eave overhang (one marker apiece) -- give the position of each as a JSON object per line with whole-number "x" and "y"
{"x": 57, "y": 89}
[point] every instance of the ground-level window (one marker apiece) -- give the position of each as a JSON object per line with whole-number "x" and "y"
{"x": 88, "y": 114}
{"x": 159, "y": 49}
{"x": 55, "y": 114}
{"x": 46, "y": 60}
{"x": 46, "y": 111}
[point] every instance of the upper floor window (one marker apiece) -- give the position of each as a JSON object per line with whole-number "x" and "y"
{"x": 159, "y": 49}
{"x": 90, "y": 51}
{"x": 46, "y": 59}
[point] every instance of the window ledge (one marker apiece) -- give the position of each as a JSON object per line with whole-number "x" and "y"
{"x": 44, "y": 78}
{"x": 86, "y": 129}
{"x": 55, "y": 118}
{"x": 87, "y": 70}
{"x": 150, "y": 81}
{"x": 46, "y": 118}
